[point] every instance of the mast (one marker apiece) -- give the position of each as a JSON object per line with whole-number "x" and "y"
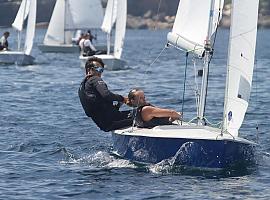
{"x": 208, "y": 50}
{"x": 65, "y": 18}
{"x": 108, "y": 43}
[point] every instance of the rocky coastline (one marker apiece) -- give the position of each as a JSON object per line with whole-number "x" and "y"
{"x": 142, "y": 14}
{"x": 162, "y": 21}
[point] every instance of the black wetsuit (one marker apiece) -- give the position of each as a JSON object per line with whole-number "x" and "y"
{"x": 88, "y": 51}
{"x": 97, "y": 102}
{"x": 5, "y": 45}
{"x": 153, "y": 122}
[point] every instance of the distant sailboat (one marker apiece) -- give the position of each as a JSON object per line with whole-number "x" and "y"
{"x": 22, "y": 56}
{"x": 116, "y": 11}
{"x": 197, "y": 144}
{"x": 68, "y": 17}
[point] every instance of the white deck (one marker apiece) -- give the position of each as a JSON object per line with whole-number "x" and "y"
{"x": 16, "y": 57}
{"x": 184, "y": 131}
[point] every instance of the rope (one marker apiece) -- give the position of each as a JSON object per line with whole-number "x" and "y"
{"x": 256, "y": 100}
{"x": 211, "y": 124}
{"x": 134, "y": 119}
{"x": 196, "y": 90}
{"x": 150, "y": 65}
{"x": 183, "y": 98}
{"x": 144, "y": 74}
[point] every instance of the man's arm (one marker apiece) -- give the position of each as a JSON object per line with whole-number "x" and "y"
{"x": 149, "y": 112}
{"x": 103, "y": 90}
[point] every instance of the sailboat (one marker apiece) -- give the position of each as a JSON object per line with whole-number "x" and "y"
{"x": 116, "y": 12}
{"x": 196, "y": 144}
{"x": 22, "y": 56}
{"x": 68, "y": 17}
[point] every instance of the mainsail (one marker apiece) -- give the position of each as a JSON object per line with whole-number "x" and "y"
{"x": 110, "y": 16}
{"x": 55, "y": 32}
{"x": 191, "y": 24}
{"x": 31, "y": 26}
{"x": 71, "y": 15}
{"x": 21, "y": 15}
{"x": 84, "y": 14}
{"x": 242, "y": 44}
{"x": 120, "y": 28}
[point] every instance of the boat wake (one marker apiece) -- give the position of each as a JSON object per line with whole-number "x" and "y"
{"x": 176, "y": 165}
{"x": 100, "y": 159}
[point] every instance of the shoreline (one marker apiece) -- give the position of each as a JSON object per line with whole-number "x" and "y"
{"x": 166, "y": 22}
{"x": 134, "y": 22}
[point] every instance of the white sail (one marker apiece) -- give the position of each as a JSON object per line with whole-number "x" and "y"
{"x": 110, "y": 16}
{"x": 120, "y": 28}
{"x": 241, "y": 54}
{"x": 71, "y": 15}
{"x": 21, "y": 15}
{"x": 31, "y": 26}
{"x": 85, "y": 14}
{"x": 55, "y": 32}
{"x": 191, "y": 24}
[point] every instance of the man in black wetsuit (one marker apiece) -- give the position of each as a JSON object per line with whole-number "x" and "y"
{"x": 4, "y": 41}
{"x": 97, "y": 100}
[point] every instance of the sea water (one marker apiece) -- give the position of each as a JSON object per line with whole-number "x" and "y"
{"x": 49, "y": 149}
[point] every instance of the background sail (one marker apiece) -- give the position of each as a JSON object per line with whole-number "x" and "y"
{"x": 120, "y": 28}
{"x": 241, "y": 54}
{"x": 85, "y": 14}
{"x": 191, "y": 24}
{"x": 55, "y": 32}
{"x": 31, "y": 26}
{"x": 21, "y": 15}
{"x": 110, "y": 16}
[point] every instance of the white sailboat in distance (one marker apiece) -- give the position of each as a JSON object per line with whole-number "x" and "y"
{"x": 116, "y": 11}
{"x": 68, "y": 17}
{"x": 22, "y": 56}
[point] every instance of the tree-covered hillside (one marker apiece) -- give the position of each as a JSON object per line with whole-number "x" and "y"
{"x": 141, "y": 13}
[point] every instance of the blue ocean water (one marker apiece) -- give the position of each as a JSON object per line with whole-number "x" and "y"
{"x": 50, "y": 150}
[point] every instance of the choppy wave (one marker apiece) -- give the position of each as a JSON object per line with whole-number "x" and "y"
{"x": 50, "y": 150}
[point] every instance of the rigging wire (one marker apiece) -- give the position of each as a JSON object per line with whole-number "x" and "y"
{"x": 196, "y": 89}
{"x": 159, "y": 4}
{"x": 145, "y": 71}
{"x": 135, "y": 112}
{"x": 150, "y": 65}
{"x": 256, "y": 99}
{"x": 184, "y": 90}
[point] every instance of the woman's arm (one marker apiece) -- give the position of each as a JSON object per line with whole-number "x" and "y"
{"x": 149, "y": 112}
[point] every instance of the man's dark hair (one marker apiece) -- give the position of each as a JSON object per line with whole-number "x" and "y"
{"x": 89, "y": 63}
{"x": 6, "y": 33}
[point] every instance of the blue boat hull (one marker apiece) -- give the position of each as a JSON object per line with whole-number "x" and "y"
{"x": 188, "y": 152}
